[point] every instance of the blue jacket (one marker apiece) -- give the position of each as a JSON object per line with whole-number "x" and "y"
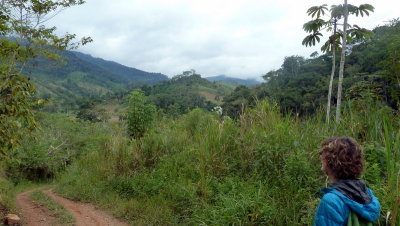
{"x": 336, "y": 205}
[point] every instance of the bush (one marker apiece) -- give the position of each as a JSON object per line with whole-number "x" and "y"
{"x": 53, "y": 147}
{"x": 139, "y": 115}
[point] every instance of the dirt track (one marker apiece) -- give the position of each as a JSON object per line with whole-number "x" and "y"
{"x": 85, "y": 214}
{"x": 33, "y": 214}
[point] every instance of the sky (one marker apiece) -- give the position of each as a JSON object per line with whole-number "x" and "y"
{"x": 238, "y": 38}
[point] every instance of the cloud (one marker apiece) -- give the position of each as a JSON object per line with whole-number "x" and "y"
{"x": 241, "y": 38}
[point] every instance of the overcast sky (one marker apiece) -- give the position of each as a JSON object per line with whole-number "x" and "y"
{"x": 238, "y": 38}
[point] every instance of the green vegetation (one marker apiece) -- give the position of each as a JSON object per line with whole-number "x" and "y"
{"x": 6, "y": 194}
{"x": 300, "y": 85}
{"x": 59, "y": 141}
{"x": 200, "y": 169}
{"x": 9, "y": 190}
{"x": 232, "y": 81}
{"x": 23, "y": 37}
{"x": 185, "y": 92}
{"x": 255, "y": 164}
{"x": 123, "y": 72}
{"x": 80, "y": 77}
{"x": 58, "y": 211}
{"x": 139, "y": 115}
{"x": 356, "y": 34}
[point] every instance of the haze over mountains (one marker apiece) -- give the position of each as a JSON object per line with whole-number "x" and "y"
{"x": 237, "y": 81}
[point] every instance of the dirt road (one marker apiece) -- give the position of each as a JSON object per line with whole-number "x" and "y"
{"x": 85, "y": 214}
{"x": 33, "y": 214}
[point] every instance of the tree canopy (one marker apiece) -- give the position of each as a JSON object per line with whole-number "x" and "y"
{"x": 24, "y": 37}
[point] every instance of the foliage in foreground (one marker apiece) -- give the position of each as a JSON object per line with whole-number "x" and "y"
{"x": 24, "y": 36}
{"x": 139, "y": 114}
{"x": 261, "y": 170}
{"x": 50, "y": 149}
{"x": 6, "y": 194}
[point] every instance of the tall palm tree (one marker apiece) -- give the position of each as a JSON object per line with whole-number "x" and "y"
{"x": 330, "y": 46}
{"x": 356, "y": 32}
{"x": 342, "y": 60}
{"x": 318, "y": 24}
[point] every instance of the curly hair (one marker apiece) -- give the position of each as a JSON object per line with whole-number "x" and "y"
{"x": 343, "y": 157}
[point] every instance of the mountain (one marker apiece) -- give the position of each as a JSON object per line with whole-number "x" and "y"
{"x": 127, "y": 73}
{"x": 238, "y": 81}
{"x": 81, "y": 75}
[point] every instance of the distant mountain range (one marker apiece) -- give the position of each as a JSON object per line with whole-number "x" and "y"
{"x": 126, "y": 73}
{"x": 238, "y": 81}
{"x": 83, "y": 76}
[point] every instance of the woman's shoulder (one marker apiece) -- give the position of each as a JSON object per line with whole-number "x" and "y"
{"x": 333, "y": 200}
{"x": 331, "y": 210}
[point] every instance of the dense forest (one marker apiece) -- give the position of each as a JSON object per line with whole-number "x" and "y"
{"x": 152, "y": 150}
{"x": 300, "y": 86}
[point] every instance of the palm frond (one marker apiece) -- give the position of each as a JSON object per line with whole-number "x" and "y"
{"x": 317, "y": 11}
{"x": 314, "y": 25}
{"x": 362, "y": 9}
{"x": 337, "y": 11}
{"x": 358, "y": 34}
{"x": 328, "y": 46}
{"x": 312, "y": 39}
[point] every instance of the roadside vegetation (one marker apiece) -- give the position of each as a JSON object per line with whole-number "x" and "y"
{"x": 204, "y": 169}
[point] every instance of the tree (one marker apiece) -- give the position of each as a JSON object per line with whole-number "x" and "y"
{"x": 139, "y": 114}
{"x": 23, "y": 36}
{"x": 292, "y": 64}
{"x": 333, "y": 43}
{"x": 342, "y": 60}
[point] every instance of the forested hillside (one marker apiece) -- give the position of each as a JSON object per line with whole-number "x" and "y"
{"x": 79, "y": 77}
{"x": 186, "y": 92}
{"x": 126, "y": 73}
{"x": 300, "y": 85}
{"x": 173, "y": 97}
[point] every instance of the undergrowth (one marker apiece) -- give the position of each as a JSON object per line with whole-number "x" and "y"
{"x": 201, "y": 169}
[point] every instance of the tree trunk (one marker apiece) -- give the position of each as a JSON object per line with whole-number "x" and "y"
{"x": 342, "y": 60}
{"x": 328, "y": 106}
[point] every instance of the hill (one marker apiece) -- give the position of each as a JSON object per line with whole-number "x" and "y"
{"x": 82, "y": 76}
{"x": 185, "y": 92}
{"x": 127, "y": 73}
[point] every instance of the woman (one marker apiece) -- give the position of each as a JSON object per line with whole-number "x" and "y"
{"x": 347, "y": 201}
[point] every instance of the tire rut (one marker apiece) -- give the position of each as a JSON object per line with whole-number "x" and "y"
{"x": 33, "y": 214}
{"x": 85, "y": 213}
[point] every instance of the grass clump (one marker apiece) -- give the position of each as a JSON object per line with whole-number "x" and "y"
{"x": 6, "y": 196}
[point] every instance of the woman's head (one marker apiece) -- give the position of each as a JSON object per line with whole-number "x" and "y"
{"x": 341, "y": 158}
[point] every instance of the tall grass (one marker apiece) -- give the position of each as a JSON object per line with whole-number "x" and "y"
{"x": 6, "y": 194}
{"x": 207, "y": 170}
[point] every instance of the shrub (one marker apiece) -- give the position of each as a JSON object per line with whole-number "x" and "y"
{"x": 139, "y": 114}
